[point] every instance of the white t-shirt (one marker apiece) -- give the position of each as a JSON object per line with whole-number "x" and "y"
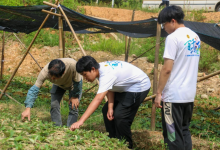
{"x": 119, "y": 76}
{"x": 182, "y": 46}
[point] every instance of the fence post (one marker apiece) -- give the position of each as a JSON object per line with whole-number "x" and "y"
{"x": 129, "y": 41}
{"x": 153, "y": 111}
{"x": 60, "y": 37}
{"x": 3, "y": 49}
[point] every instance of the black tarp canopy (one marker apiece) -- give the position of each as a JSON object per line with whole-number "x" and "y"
{"x": 27, "y": 19}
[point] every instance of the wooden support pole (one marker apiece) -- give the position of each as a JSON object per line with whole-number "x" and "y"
{"x": 68, "y": 22}
{"x": 126, "y": 47}
{"x": 129, "y": 41}
{"x": 153, "y": 110}
{"x": 217, "y": 108}
{"x": 3, "y": 57}
{"x": 60, "y": 21}
{"x": 63, "y": 35}
{"x": 11, "y": 98}
{"x": 13, "y": 74}
{"x": 52, "y": 13}
{"x": 90, "y": 88}
{"x": 60, "y": 36}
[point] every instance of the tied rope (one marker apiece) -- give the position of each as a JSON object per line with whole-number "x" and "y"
{"x": 55, "y": 8}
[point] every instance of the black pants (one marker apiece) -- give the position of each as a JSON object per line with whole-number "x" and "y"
{"x": 125, "y": 108}
{"x": 176, "y": 119}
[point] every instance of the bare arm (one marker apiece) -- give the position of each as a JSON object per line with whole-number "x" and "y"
{"x": 110, "y": 112}
{"x": 164, "y": 76}
{"x": 92, "y": 107}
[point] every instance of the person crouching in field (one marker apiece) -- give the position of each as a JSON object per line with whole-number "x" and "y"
{"x": 178, "y": 78}
{"x": 125, "y": 85}
{"x": 62, "y": 73}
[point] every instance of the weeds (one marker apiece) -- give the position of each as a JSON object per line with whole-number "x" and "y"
{"x": 195, "y": 15}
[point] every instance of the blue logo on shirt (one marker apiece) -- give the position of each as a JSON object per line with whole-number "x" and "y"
{"x": 114, "y": 64}
{"x": 193, "y": 46}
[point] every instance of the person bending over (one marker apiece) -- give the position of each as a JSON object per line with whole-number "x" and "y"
{"x": 62, "y": 73}
{"x": 125, "y": 85}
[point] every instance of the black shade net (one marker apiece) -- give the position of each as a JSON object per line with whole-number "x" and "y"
{"x": 27, "y": 19}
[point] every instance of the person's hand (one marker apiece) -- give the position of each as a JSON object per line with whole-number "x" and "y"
{"x": 76, "y": 125}
{"x": 157, "y": 101}
{"x": 74, "y": 102}
{"x": 26, "y": 113}
{"x": 110, "y": 114}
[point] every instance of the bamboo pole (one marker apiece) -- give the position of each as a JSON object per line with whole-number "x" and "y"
{"x": 68, "y": 22}
{"x": 208, "y": 76}
{"x": 52, "y": 13}
{"x": 63, "y": 35}
{"x": 90, "y": 88}
{"x": 3, "y": 57}
{"x": 145, "y": 52}
{"x": 217, "y": 108}
{"x": 11, "y": 98}
{"x": 60, "y": 36}
{"x": 60, "y": 20}
{"x": 5, "y": 88}
{"x": 129, "y": 41}
{"x": 153, "y": 110}
{"x": 126, "y": 47}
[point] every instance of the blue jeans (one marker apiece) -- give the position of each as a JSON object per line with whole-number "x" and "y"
{"x": 56, "y": 96}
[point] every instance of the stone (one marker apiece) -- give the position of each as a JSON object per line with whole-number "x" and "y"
{"x": 209, "y": 90}
{"x": 200, "y": 74}
{"x": 204, "y": 96}
{"x": 134, "y": 56}
{"x": 199, "y": 85}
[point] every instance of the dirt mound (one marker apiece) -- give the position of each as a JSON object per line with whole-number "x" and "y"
{"x": 209, "y": 87}
{"x": 14, "y": 53}
{"x": 116, "y": 14}
{"x": 212, "y": 16}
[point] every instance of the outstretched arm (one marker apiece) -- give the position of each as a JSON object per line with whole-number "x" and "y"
{"x": 92, "y": 107}
{"x": 29, "y": 102}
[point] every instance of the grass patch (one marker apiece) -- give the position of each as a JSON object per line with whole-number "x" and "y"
{"x": 15, "y": 134}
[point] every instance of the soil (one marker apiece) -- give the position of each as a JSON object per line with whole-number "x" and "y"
{"x": 116, "y": 14}
{"x": 212, "y": 16}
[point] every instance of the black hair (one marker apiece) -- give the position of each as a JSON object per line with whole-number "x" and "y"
{"x": 56, "y": 68}
{"x": 169, "y": 13}
{"x": 86, "y": 63}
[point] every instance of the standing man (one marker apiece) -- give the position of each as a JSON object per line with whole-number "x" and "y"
{"x": 178, "y": 78}
{"x": 62, "y": 73}
{"x": 125, "y": 85}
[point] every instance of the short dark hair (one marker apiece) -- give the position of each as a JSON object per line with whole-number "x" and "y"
{"x": 169, "y": 13}
{"x": 56, "y": 68}
{"x": 86, "y": 63}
